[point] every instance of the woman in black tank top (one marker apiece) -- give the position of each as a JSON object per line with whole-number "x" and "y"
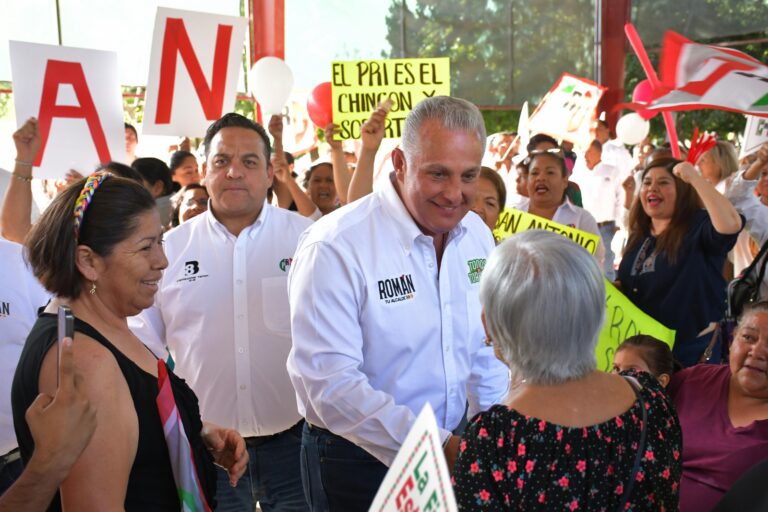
{"x": 105, "y": 265}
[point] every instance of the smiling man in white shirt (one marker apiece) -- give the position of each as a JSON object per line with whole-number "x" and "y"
{"x": 385, "y": 311}
{"x": 222, "y": 311}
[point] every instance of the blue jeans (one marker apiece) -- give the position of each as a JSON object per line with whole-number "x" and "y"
{"x": 338, "y": 476}
{"x": 9, "y": 473}
{"x": 273, "y": 478}
{"x": 607, "y": 231}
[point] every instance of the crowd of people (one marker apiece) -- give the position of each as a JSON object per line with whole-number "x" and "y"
{"x": 254, "y": 327}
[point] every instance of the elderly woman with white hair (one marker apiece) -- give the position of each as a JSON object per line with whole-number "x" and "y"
{"x": 569, "y": 437}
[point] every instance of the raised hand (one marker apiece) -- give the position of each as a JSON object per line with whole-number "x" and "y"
{"x": 27, "y": 141}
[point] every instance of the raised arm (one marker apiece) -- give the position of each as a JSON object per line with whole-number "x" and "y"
{"x": 304, "y": 204}
{"x": 753, "y": 171}
{"x": 275, "y": 128}
{"x": 372, "y": 133}
{"x": 16, "y": 221}
{"x": 741, "y": 193}
{"x": 725, "y": 218}
{"x": 341, "y": 174}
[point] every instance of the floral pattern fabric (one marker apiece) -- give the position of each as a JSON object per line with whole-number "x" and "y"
{"x": 509, "y": 461}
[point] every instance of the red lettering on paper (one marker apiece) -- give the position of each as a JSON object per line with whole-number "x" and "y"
{"x": 176, "y": 41}
{"x": 59, "y": 72}
{"x": 403, "y": 501}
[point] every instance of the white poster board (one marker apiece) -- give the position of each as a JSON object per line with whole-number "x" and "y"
{"x": 568, "y": 110}
{"x": 418, "y": 478}
{"x": 193, "y": 71}
{"x": 755, "y": 135}
{"x": 76, "y": 97}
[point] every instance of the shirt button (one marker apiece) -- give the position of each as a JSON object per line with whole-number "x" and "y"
{"x": 239, "y": 281}
{"x": 447, "y": 349}
{"x": 430, "y": 265}
{"x": 242, "y": 387}
{"x": 634, "y": 290}
{"x": 241, "y": 350}
{"x": 240, "y": 316}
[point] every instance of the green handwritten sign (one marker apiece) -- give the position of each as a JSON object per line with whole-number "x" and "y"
{"x": 359, "y": 86}
{"x": 622, "y": 320}
{"x": 513, "y": 221}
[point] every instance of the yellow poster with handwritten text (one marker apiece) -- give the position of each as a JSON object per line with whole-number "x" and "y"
{"x": 622, "y": 320}
{"x": 513, "y": 221}
{"x": 359, "y": 86}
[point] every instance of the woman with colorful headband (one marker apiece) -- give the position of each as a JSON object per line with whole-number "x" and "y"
{"x": 98, "y": 249}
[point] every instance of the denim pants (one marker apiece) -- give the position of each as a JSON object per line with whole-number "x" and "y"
{"x": 273, "y": 477}
{"x": 338, "y": 476}
{"x": 607, "y": 232}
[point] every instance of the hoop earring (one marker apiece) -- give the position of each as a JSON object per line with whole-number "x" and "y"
{"x": 92, "y": 291}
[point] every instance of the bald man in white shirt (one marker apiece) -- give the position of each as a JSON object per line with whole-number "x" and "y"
{"x": 385, "y": 312}
{"x": 222, "y": 311}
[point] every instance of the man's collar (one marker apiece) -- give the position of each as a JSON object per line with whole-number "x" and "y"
{"x": 407, "y": 229}
{"x": 250, "y": 231}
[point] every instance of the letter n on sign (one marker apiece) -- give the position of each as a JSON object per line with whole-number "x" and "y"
{"x": 193, "y": 71}
{"x": 75, "y": 95}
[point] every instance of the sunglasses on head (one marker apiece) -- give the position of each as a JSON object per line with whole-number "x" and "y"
{"x": 556, "y": 152}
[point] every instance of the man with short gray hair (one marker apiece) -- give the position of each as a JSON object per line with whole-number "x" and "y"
{"x": 385, "y": 312}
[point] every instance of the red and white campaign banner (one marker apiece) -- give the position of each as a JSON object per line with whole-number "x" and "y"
{"x": 568, "y": 110}
{"x": 696, "y": 76}
{"x": 76, "y": 97}
{"x": 193, "y": 71}
{"x": 418, "y": 479}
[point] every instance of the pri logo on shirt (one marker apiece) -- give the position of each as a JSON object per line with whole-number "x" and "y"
{"x": 396, "y": 289}
{"x": 5, "y": 309}
{"x": 476, "y": 267}
{"x": 192, "y": 272}
{"x": 285, "y": 264}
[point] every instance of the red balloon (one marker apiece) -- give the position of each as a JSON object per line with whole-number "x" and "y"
{"x": 643, "y": 93}
{"x": 319, "y": 105}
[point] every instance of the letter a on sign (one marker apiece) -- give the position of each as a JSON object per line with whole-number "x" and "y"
{"x": 193, "y": 71}
{"x": 76, "y": 97}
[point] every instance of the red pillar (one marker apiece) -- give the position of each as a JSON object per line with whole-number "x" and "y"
{"x": 266, "y": 27}
{"x": 615, "y": 13}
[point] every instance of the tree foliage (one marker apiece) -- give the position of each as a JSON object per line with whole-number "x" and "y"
{"x": 504, "y": 52}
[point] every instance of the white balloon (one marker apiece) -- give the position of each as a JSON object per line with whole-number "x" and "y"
{"x": 632, "y": 129}
{"x": 271, "y": 81}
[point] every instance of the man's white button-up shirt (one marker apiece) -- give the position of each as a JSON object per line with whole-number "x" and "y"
{"x": 380, "y": 328}
{"x": 601, "y": 191}
{"x": 222, "y": 311}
